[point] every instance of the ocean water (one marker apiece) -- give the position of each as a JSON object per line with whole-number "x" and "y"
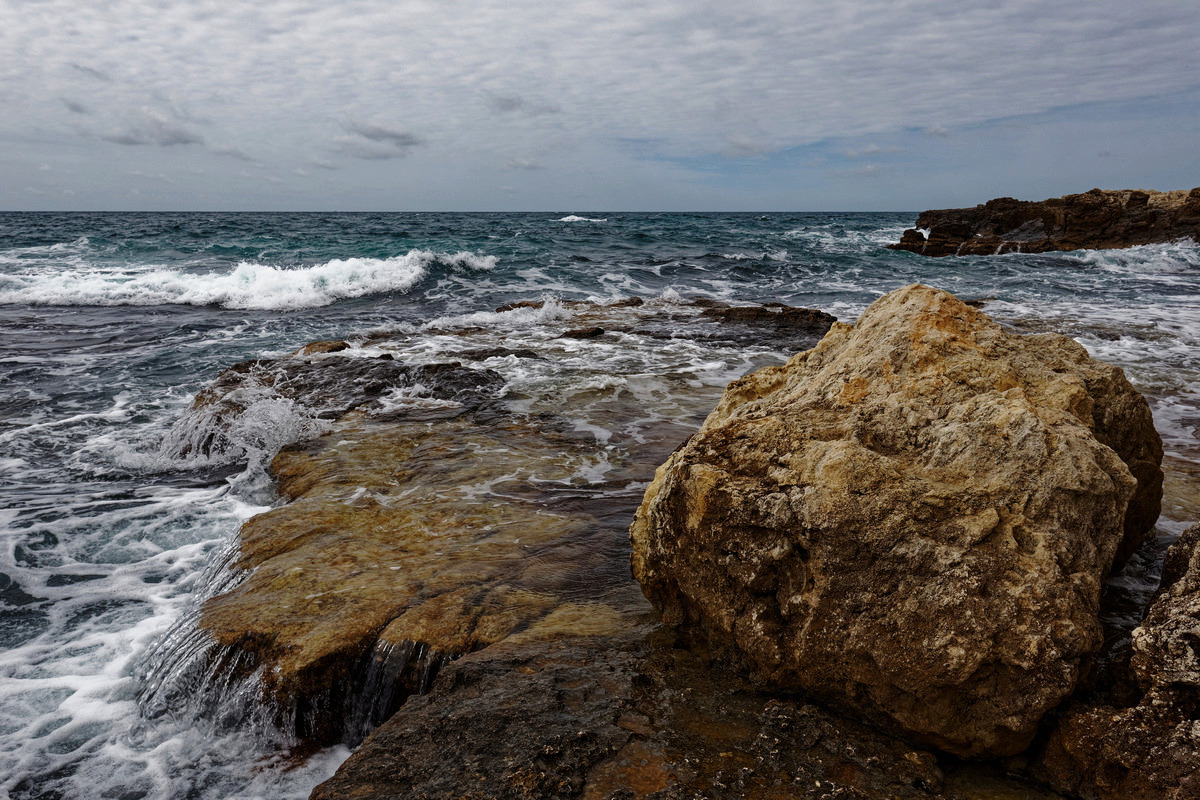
{"x": 110, "y": 323}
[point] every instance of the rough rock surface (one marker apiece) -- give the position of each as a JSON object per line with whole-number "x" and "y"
{"x": 427, "y": 520}
{"x": 911, "y": 520}
{"x": 619, "y": 717}
{"x": 1093, "y": 220}
{"x": 1149, "y": 749}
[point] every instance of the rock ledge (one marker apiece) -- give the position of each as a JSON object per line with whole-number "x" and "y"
{"x": 1094, "y": 220}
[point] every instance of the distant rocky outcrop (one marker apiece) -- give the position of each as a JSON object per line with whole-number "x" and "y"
{"x": 1149, "y": 747}
{"x": 912, "y": 520}
{"x": 1093, "y": 220}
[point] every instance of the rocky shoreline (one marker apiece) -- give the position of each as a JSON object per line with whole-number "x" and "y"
{"x": 436, "y": 587}
{"x": 1095, "y": 220}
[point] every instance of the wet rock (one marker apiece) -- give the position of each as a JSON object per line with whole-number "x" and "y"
{"x": 911, "y": 521}
{"x": 612, "y": 717}
{"x": 591, "y": 332}
{"x": 380, "y": 543}
{"x": 1093, "y": 220}
{"x": 708, "y": 302}
{"x": 317, "y": 348}
{"x": 484, "y": 353}
{"x": 520, "y": 304}
{"x": 816, "y": 322}
{"x": 324, "y": 388}
{"x": 1149, "y": 748}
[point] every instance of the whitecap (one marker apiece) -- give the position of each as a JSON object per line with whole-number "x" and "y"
{"x": 250, "y": 285}
{"x": 574, "y": 218}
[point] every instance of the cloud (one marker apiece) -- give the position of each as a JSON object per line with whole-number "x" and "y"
{"x": 91, "y": 72}
{"x": 234, "y": 152}
{"x": 691, "y": 80}
{"x": 153, "y": 176}
{"x": 376, "y": 141}
{"x": 515, "y": 103}
{"x": 394, "y": 135}
{"x": 524, "y": 163}
{"x": 740, "y": 145}
{"x": 153, "y": 128}
{"x": 869, "y": 150}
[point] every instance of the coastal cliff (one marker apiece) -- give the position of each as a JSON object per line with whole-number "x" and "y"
{"x": 1093, "y": 220}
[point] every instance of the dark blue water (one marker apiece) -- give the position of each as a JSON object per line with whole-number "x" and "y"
{"x": 109, "y": 323}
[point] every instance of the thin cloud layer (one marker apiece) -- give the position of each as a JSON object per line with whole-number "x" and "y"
{"x": 597, "y": 90}
{"x": 154, "y": 128}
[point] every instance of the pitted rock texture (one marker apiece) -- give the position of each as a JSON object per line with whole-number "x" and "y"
{"x": 1149, "y": 750}
{"x": 1093, "y": 220}
{"x": 621, "y": 717}
{"x": 911, "y": 521}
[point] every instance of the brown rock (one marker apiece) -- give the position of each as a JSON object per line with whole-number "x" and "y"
{"x": 317, "y": 348}
{"x": 520, "y": 304}
{"x": 774, "y": 314}
{"x": 1093, "y": 220}
{"x": 591, "y": 332}
{"x": 619, "y": 717}
{"x": 377, "y": 548}
{"x": 911, "y": 520}
{"x": 1149, "y": 750}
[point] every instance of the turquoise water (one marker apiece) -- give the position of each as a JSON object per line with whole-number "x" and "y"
{"x": 109, "y": 324}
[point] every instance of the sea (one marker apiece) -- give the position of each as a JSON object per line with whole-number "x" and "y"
{"x": 110, "y": 323}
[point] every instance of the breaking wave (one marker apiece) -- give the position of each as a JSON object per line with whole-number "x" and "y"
{"x": 250, "y": 285}
{"x": 574, "y": 218}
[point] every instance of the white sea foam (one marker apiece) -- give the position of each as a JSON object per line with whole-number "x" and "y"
{"x": 250, "y": 285}
{"x": 574, "y": 218}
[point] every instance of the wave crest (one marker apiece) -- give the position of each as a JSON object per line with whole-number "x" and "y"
{"x": 250, "y": 285}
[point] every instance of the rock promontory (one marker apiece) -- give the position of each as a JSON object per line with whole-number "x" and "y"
{"x": 1093, "y": 220}
{"x": 911, "y": 521}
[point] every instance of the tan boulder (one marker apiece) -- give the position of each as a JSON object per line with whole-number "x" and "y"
{"x": 912, "y": 520}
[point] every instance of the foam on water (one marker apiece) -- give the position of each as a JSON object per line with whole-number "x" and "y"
{"x": 249, "y": 285}
{"x": 575, "y": 218}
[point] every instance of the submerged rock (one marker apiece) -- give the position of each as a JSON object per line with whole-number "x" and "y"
{"x": 1148, "y": 749}
{"x": 1094, "y": 220}
{"x": 911, "y": 521}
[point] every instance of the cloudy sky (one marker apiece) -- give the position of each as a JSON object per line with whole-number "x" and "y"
{"x": 525, "y": 104}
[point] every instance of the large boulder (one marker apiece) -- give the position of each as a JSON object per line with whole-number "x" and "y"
{"x": 910, "y": 521}
{"x": 1148, "y": 749}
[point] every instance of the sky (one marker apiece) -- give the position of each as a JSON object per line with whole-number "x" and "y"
{"x": 391, "y": 105}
